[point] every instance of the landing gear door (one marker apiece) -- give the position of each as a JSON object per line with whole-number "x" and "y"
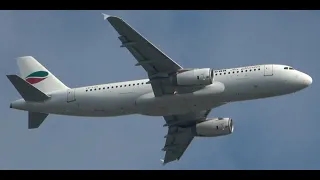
{"x": 71, "y": 95}
{"x": 268, "y": 70}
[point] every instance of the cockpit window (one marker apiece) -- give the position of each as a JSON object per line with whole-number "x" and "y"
{"x": 288, "y": 68}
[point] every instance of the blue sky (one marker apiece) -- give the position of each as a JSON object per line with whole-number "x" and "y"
{"x": 82, "y": 49}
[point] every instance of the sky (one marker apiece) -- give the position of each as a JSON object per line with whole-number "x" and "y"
{"x": 80, "y": 48}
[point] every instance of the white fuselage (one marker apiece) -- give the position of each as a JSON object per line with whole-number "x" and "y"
{"x": 136, "y": 97}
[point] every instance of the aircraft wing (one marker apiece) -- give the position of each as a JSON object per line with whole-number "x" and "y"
{"x": 179, "y": 136}
{"x": 156, "y": 63}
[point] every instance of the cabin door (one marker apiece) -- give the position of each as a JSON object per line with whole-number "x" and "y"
{"x": 268, "y": 70}
{"x": 71, "y": 95}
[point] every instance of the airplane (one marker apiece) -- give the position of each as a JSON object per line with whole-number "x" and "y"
{"x": 182, "y": 96}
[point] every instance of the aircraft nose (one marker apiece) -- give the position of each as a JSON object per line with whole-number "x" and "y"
{"x": 306, "y": 80}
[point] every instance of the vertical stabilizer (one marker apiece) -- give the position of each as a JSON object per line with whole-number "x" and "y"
{"x": 37, "y": 75}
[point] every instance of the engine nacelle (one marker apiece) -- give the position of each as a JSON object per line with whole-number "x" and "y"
{"x": 193, "y": 77}
{"x": 214, "y": 127}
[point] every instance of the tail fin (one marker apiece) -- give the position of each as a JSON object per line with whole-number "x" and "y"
{"x": 37, "y": 75}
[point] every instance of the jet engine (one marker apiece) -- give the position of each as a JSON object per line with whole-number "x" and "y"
{"x": 214, "y": 127}
{"x": 203, "y": 76}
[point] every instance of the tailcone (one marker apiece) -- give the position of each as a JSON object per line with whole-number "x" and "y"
{"x": 18, "y": 104}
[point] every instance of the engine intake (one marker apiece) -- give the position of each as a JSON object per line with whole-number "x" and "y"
{"x": 203, "y": 76}
{"x": 214, "y": 127}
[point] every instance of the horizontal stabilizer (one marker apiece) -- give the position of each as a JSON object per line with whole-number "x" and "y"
{"x": 36, "y": 119}
{"x": 26, "y": 90}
